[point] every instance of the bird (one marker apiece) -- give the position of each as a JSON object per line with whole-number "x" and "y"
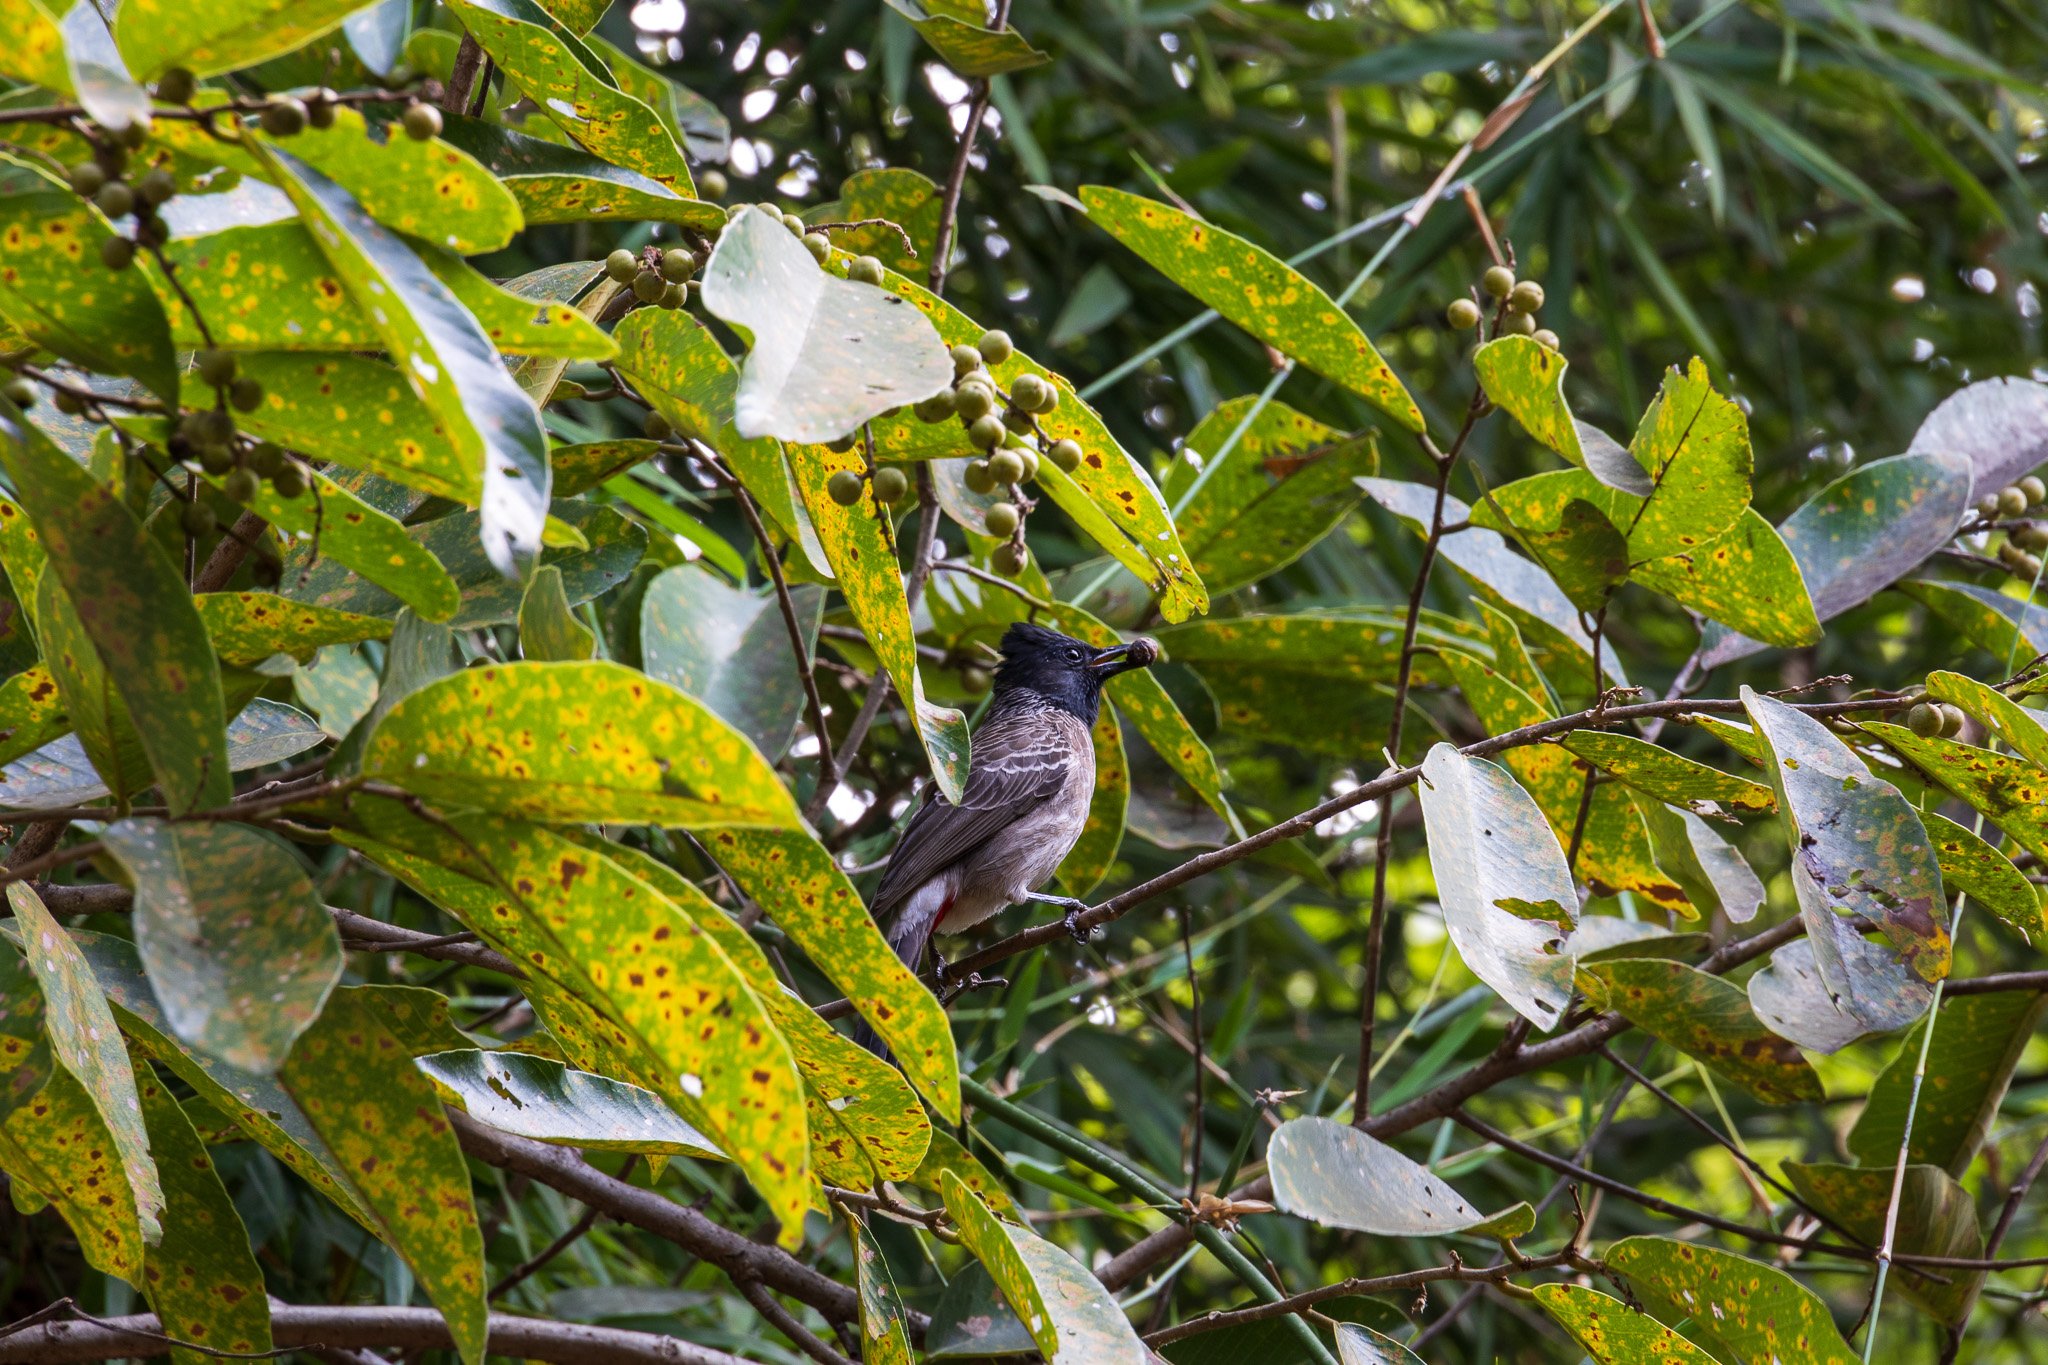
{"x": 1030, "y": 778}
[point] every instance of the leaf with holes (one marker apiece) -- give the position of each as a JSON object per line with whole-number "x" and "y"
{"x": 544, "y": 1100}
{"x": 1334, "y": 1175}
{"x": 1707, "y": 1019}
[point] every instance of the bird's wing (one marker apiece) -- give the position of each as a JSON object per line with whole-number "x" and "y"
{"x": 1018, "y": 764}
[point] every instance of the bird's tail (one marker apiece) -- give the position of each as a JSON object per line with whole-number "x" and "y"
{"x": 908, "y": 934}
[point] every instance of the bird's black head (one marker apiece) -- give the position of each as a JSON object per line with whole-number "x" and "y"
{"x": 1064, "y": 671}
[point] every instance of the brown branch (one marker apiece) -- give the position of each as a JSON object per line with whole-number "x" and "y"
{"x": 797, "y": 646}
{"x": 2015, "y": 1196}
{"x": 228, "y": 555}
{"x": 308, "y": 1328}
{"x": 785, "y": 1322}
{"x": 956, "y": 178}
{"x": 469, "y": 60}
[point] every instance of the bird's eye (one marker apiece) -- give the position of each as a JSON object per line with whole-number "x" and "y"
{"x": 1074, "y": 654}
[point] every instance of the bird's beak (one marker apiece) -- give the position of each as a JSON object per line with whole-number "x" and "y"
{"x": 1142, "y": 652}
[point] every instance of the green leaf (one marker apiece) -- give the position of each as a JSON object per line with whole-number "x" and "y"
{"x": 249, "y": 627}
{"x": 1668, "y": 777}
{"x": 946, "y": 1155}
{"x": 142, "y": 624}
{"x": 794, "y": 879}
{"x": 1971, "y": 867}
{"x": 21, "y": 551}
{"x": 381, "y": 1119}
{"x": 1746, "y": 579}
{"x": 238, "y": 947}
{"x": 2003, "y": 626}
{"x": 2021, "y": 730}
{"x": 1694, "y": 444}
{"x": 340, "y": 687}
{"x": 968, "y": 47}
{"x": 202, "y": 1278}
{"x": 884, "y": 1326}
{"x": 86, "y": 1043}
{"x": 31, "y": 713}
{"x": 54, "y": 290}
{"x": 56, "y": 1146}
{"x": 448, "y": 361}
{"x": 1094, "y": 852}
{"x": 1525, "y": 379}
{"x": 2010, "y": 791}
{"x": 1066, "y": 1310}
{"x": 1286, "y": 484}
{"x": 37, "y": 54}
{"x": 1865, "y": 530}
{"x": 1332, "y": 1174}
{"x": 729, "y": 648}
{"x": 580, "y": 468}
{"x": 1488, "y": 840}
{"x": 547, "y": 630}
{"x": 1706, "y": 1018}
{"x": 155, "y": 35}
{"x": 1978, "y": 1041}
{"x": 1855, "y": 840}
{"x": 1272, "y": 1342}
{"x": 826, "y": 353}
{"x": 359, "y": 413}
{"x": 1358, "y": 1345}
{"x": 1742, "y": 1310}
{"x": 859, "y": 545}
{"x": 575, "y": 742}
{"x": 544, "y": 1100}
{"x": 1256, "y": 290}
{"x": 971, "y": 1322}
{"x": 106, "y": 734}
{"x": 1710, "y": 871}
{"x": 904, "y": 198}
{"x": 1795, "y": 1001}
{"x": 550, "y": 65}
{"x": 553, "y": 183}
{"x": 1615, "y": 1333}
{"x": 1935, "y": 1217}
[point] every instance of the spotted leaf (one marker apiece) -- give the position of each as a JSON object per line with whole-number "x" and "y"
{"x": 1615, "y": 1333}
{"x": 1742, "y": 1310}
{"x": 1706, "y": 1018}
{"x": 1525, "y": 379}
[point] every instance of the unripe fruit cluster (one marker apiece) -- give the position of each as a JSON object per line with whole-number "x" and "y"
{"x": 2021, "y": 552}
{"x": 661, "y": 278}
{"x": 104, "y": 180}
{"x": 1932, "y": 719}
{"x": 1516, "y": 303}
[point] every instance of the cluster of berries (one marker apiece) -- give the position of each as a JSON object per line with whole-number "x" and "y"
{"x": 2021, "y": 552}
{"x": 659, "y": 277}
{"x": 1516, "y": 303}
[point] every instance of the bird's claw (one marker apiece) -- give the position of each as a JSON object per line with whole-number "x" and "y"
{"x": 1076, "y": 930}
{"x": 942, "y": 972}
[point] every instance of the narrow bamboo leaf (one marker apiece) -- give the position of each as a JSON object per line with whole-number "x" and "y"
{"x": 1741, "y": 1310}
{"x": 56, "y": 293}
{"x": 547, "y": 630}
{"x": 2010, "y": 791}
{"x": 575, "y": 742}
{"x": 1978, "y": 1041}
{"x": 827, "y": 353}
{"x": 86, "y": 1042}
{"x": 248, "y": 627}
{"x": 551, "y": 66}
{"x": 730, "y": 649}
{"x": 858, "y": 543}
{"x": 1864, "y": 531}
{"x": 884, "y": 1326}
{"x": 238, "y": 947}
{"x": 158, "y": 34}
{"x": 544, "y": 1100}
{"x": 2022, "y": 731}
{"x": 1256, "y": 290}
{"x": 202, "y": 1279}
{"x": 554, "y": 183}
{"x": 1525, "y": 379}
{"x": 1971, "y": 867}
{"x": 1094, "y": 853}
{"x": 1935, "y": 1217}
{"x": 968, "y": 47}
{"x": 381, "y": 1118}
{"x": 1286, "y": 484}
{"x": 794, "y": 879}
{"x": 1794, "y": 1001}
{"x": 31, "y": 713}
{"x": 443, "y": 352}
{"x": 904, "y": 198}
{"x": 1333, "y": 1174}
{"x": 1488, "y": 840}
{"x": 1855, "y": 838}
{"x": 1615, "y": 1333}
{"x": 1711, "y": 872}
{"x": 1706, "y": 1018}
{"x": 2000, "y": 424}
{"x": 1668, "y": 777}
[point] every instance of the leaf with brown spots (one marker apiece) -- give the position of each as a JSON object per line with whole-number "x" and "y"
{"x": 132, "y": 604}
{"x": 547, "y": 629}
{"x": 558, "y": 182}
{"x": 1613, "y": 1333}
{"x": 947, "y": 1157}
{"x": 884, "y": 1328}
{"x": 576, "y": 742}
{"x": 1525, "y": 379}
{"x": 202, "y": 1279}
{"x": 249, "y": 627}
{"x": 1094, "y": 853}
{"x": 967, "y": 46}
{"x": 31, "y": 713}
{"x": 86, "y": 1042}
{"x": 237, "y": 945}
{"x": 1971, "y": 867}
{"x": 1706, "y": 1018}
{"x": 904, "y": 198}
{"x": 1256, "y": 290}
{"x": 2020, "y": 729}
{"x": 1935, "y": 1217}
{"x": 22, "y": 553}
{"x": 359, "y": 413}
{"x": 1856, "y": 842}
{"x": 358, "y": 1087}
{"x": 1745, "y": 1312}
{"x": 549, "y": 1102}
{"x": 1332, "y": 1174}
{"x": 155, "y": 34}
{"x": 1669, "y": 777}
{"x": 2004, "y": 627}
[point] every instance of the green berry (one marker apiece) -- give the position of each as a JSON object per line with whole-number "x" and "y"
{"x": 1050, "y": 401}
{"x": 1009, "y": 560}
{"x": 111, "y": 157}
{"x": 936, "y": 408}
{"x": 289, "y": 481}
{"x": 2035, "y": 489}
{"x": 197, "y": 518}
{"x": 2010, "y": 552}
{"x": 1987, "y": 506}
{"x": 216, "y": 459}
{"x": 284, "y": 116}
{"x": 1007, "y": 466}
{"x": 1519, "y": 324}
{"x": 1027, "y": 391}
{"x": 115, "y": 199}
{"x": 320, "y": 108}
{"x": 890, "y": 485}
{"x": 245, "y": 394}
{"x": 966, "y": 360}
{"x": 2028, "y": 569}
{"x": 266, "y": 458}
{"x": 1001, "y": 518}
{"x": 711, "y": 185}
{"x": 995, "y": 346}
{"x": 1066, "y": 454}
{"x": 672, "y": 296}
{"x": 157, "y": 187}
{"x": 217, "y": 367}
{"x": 865, "y": 270}
{"x": 2032, "y": 536}
{"x": 20, "y": 392}
{"x": 648, "y": 286}
{"x": 844, "y": 487}
{"x": 1925, "y": 720}
{"x": 151, "y": 230}
{"x": 794, "y": 222}
{"x": 86, "y": 177}
{"x": 68, "y": 403}
{"x": 1952, "y": 720}
{"x": 1498, "y": 282}
{"x": 1017, "y": 420}
{"x": 1546, "y": 338}
{"x": 841, "y": 444}
{"x": 622, "y": 265}
{"x": 242, "y": 485}
{"x": 819, "y": 245}
{"x": 677, "y": 265}
{"x": 2011, "y": 502}
{"x": 657, "y": 427}
{"x": 975, "y": 682}
{"x": 422, "y": 122}
{"x": 1030, "y": 458}
{"x": 973, "y": 401}
{"x": 176, "y": 86}
{"x": 1526, "y": 297}
{"x": 215, "y": 427}
{"x": 977, "y": 478}
{"x": 1463, "y": 314}
{"x": 986, "y": 432}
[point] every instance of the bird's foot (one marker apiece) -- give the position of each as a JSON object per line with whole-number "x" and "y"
{"x": 942, "y": 971}
{"x": 1077, "y": 931}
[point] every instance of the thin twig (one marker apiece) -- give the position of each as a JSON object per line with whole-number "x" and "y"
{"x": 755, "y": 1293}
{"x": 1187, "y": 947}
{"x": 956, "y": 178}
{"x": 797, "y": 644}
